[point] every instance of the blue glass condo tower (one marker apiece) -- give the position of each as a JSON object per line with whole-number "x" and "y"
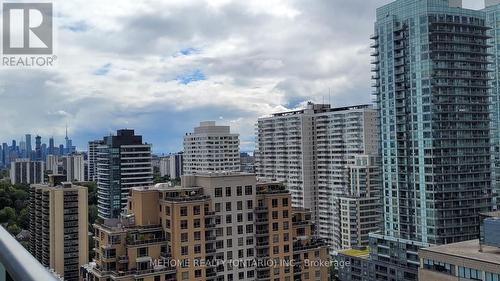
{"x": 432, "y": 91}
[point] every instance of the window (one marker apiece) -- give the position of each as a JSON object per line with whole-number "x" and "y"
{"x": 274, "y": 202}
{"x": 228, "y": 206}
{"x": 142, "y": 252}
{"x": 240, "y": 229}
{"x": 239, "y": 191}
{"x": 275, "y": 215}
{"x": 249, "y": 204}
{"x": 185, "y": 275}
{"x": 197, "y": 236}
{"x": 285, "y": 214}
{"x": 184, "y": 237}
{"x": 197, "y": 249}
{"x": 249, "y": 216}
{"x": 276, "y": 238}
{"x": 229, "y": 219}
{"x": 239, "y": 217}
{"x": 184, "y": 211}
{"x": 228, "y": 191}
{"x": 250, "y": 252}
{"x": 439, "y": 266}
{"x": 285, "y": 225}
{"x": 184, "y": 224}
{"x": 184, "y": 250}
{"x": 229, "y": 243}
{"x": 248, "y": 190}
{"x": 197, "y": 273}
{"x": 469, "y": 273}
{"x": 492, "y": 276}
{"x": 285, "y": 202}
{"x": 196, "y": 210}
{"x": 275, "y": 226}
{"x": 218, "y": 192}
{"x": 239, "y": 205}
{"x": 197, "y": 223}
{"x": 276, "y": 250}
{"x": 217, "y": 207}
{"x": 249, "y": 228}
{"x": 229, "y": 230}
{"x": 167, "y": 210}
{"x": 250, "y": 240}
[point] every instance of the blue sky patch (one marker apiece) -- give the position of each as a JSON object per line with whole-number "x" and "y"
{"x": 193, "y": 76}
{"x": 103, "y": 70}
{"x": 80, "y": 26}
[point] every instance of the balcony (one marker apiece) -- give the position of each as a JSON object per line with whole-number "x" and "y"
{"x": 17, "y": 264}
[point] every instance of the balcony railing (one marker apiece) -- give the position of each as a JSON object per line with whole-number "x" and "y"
{"x": 17, "y": 264}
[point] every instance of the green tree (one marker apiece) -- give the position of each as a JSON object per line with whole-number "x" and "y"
{"x": 7, "y": 214}
{"x": 13, "y": 229}
{"x": 24, "y": 218}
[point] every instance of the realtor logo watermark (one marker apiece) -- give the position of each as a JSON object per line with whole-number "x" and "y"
{"x": 28, "y": 35}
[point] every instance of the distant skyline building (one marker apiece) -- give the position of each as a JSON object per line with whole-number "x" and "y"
{"x": 59, "y": 226}
{"x": 38, "y": 148}
{"x": 316, "y": 152}
{"x": 123, "y": 162}
{"x": 211, "y": 148}
{"x": 29, "y": 148}
{"x": 51, "y": 150}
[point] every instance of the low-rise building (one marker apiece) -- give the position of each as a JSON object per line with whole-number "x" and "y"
{"x": 468, "y": 260}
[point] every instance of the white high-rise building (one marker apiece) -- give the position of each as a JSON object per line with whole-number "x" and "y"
{"x": 52, "y": 163}
{"x": 25, "y": 171}
{"x": 211, "y": 148}
{"x": 73, "y": 167}
{"x": 313, "y": 151}
{"x": 171, "y": 166}
{"x": 92, "y": 159}
{"x": 165, "y": 166}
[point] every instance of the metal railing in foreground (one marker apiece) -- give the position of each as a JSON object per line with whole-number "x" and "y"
{"x": 19, "y": 264}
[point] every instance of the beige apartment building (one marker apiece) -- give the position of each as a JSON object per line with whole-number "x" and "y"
{"x": 59, "y": 226}
{"x": 213, "y": 227}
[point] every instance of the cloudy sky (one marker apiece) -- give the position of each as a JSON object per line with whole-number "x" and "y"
{"x": 162, "y": 66}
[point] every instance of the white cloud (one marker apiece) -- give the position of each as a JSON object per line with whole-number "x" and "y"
{"x": 258, "y": 57}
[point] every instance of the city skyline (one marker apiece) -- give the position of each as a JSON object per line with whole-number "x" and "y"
{"x": 90, "y": 93}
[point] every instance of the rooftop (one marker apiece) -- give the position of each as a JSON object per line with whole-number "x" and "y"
{"x": 468, "y": 249}
{"x": 355, "y": 252}
{"x": 319, "y": 108}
